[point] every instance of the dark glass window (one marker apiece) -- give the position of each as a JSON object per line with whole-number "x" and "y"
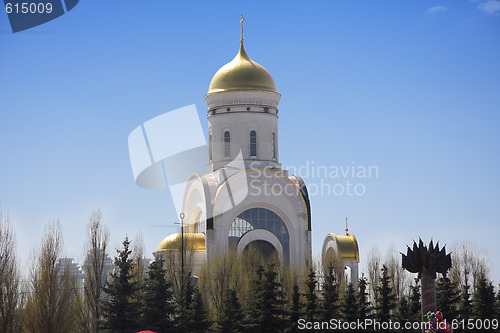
{"x": 274, "y": 146}
{"x": 201, "y": 223}
{"x": 227, "y": 144}
{"x": 253, "y": 144}
{"x": 260, "y": 218}
{"x": 210, "y": 147}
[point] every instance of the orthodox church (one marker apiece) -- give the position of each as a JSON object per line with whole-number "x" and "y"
{"x": 246, "y": 199}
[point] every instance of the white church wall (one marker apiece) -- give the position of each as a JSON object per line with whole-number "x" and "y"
{"x": 289, "y": 205}
{"x": 239, "y": 125}
{"x": 243, "y": 97}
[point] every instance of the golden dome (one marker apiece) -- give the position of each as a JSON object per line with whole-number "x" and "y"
{"x": 193, "y": 242}
{"x": 347, "y": 248}
{"x": 242, "y": 74}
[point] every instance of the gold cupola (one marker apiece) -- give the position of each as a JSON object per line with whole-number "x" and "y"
{"x": 242, "y": 74}
{"x": 192, "y": 242}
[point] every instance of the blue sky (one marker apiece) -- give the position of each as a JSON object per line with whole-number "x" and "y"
{"x": 411, "y": 87}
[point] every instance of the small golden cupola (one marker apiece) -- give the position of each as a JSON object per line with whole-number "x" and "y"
{"x": 192, "y": 242}
{"x": 342, "y": 251}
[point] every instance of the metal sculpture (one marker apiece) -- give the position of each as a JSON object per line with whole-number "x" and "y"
{"x": 427, "y": 261}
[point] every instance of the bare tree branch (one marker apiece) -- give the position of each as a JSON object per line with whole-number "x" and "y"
{"x": 9, "y": 278}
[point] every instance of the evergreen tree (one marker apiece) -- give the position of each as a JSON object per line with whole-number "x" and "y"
{"x": 311, "y": 305}
{"x": 386, "y": 301}
{"x": 364, "y": 309}
{"x": 415, "y": 303}
{"x": 159, "y": 305}
{"x": 349, "y": 305}
{"x": 330, "y": 305}
{"x": 121, "y": 311}
{"x": 403, "y": 314}
{"x": 184, "y": 302}
{"x": 295, "y": 310}
{"x": 497, "y": 304}
{"x": 266, "y": 307}
{"x": 231, "y": 317}
{"x": 196, "y": 313}
{"x": 483, "y": 301}
{"x": 465, "y": 306}
{"x": 447, "y": 298}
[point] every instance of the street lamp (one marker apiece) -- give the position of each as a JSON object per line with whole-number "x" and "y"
{"x": 182, "y": 257}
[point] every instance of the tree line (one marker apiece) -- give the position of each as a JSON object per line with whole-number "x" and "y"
{"x": 232, "y": 293}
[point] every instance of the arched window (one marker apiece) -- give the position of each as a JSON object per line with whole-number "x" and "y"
{"x": 253, "y": 144}
{"x": 260, "y": 218}
{"x": 227, "y": 144}
{"x": 201, "y": 223}
{"x": 210, "y": 147}
{"x": 274, "y": 146}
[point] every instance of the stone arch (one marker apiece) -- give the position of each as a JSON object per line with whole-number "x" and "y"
{"x": 260, "y": 235}
{"x": 341, "y": 251}
{"x": 196, "y": 199}
{"x": 231, "y": 200}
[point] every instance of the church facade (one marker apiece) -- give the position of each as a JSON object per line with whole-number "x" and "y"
{"x": 246, "y": 199}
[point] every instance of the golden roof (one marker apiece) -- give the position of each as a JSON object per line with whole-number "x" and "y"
{"x": 193, "y": 242}
{"x": 347, "y": 247}
{"x": 242, "y": 74}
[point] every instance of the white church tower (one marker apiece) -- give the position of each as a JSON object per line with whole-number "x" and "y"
{"x": 245, "y": 198}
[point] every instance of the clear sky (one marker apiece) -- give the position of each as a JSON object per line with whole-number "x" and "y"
{"x": 411, "y": 87}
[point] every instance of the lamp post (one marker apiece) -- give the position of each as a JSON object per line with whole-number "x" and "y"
{"x": 182, "y": 257}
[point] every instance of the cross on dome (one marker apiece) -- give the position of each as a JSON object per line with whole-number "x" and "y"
{"x": 241, "y": 22}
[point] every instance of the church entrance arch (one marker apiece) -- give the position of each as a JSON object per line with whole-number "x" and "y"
{"x": 260, "y": 224}
{"x": 263, "y": 249}
{"x": 263, "y": 241}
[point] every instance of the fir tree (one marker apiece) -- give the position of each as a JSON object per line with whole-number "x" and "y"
{"x": 447, "y": 298}
{"x": 465, "y": 306}
{"x": 121, "y": 310}
{"x": 497, "y": 303}
{"x": 185, "y": 300}
{"x": 311, "y": 304}
{"x": 362, "y": 299}
{"x": 196, "y": 313}
{"x": 386, "y": 301}
{"x": 295, "y": 310}
{"x": 349, "y": 305}
{"x": 231, "y": 316}
{"x": 483, "y": 301}
{"x": 159, "y": 306}
{"x": 266, "y": 307}
{"x": 330, "y": 305}
{"x": 403, "y": 314}
{"x": 415, "y": 303}
{"x": 363, "y": 304}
